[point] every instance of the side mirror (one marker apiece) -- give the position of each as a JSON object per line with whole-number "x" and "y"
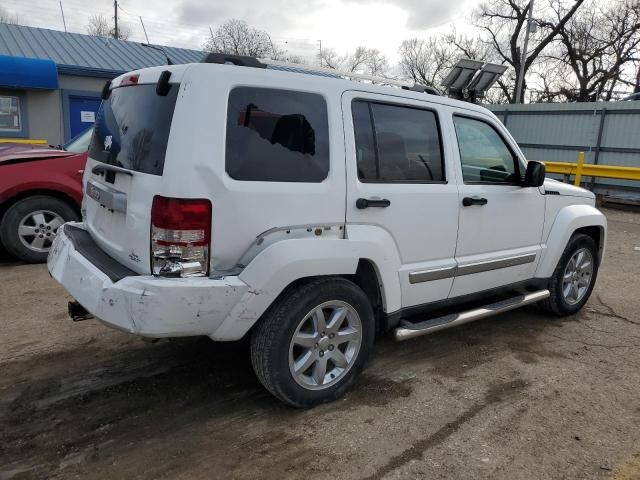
{"x": 534, "y": 176}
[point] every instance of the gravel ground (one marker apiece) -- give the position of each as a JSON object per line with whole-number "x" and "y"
{"x": 521, "y": 395}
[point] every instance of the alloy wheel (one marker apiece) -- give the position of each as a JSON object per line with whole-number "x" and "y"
{"x": 38, "y": 229}
{"x": 577, "y": 276}
{"x": 325, "y": 345}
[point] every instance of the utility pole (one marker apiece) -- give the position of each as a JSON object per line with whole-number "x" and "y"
{"x": 523, "y": 56}
{"x": 115, "y": 19}
{"x": 320, "y": 44}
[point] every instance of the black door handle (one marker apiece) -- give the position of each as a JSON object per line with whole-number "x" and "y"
{"x": 468, "y": 201}
{"x": 366, "y": 203}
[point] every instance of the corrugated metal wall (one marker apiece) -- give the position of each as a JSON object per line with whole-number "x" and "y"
{"x": 608, "y": 132}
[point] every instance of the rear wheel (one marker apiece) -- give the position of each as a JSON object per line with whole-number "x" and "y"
{"x": 574, "y": 277}
{"x": 30, "y": 225}
{"x": 310, "y": 346}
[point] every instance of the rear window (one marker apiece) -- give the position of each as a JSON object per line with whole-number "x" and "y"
{"x": 132, "y": 128}
{"x": 396, "y": 143}
{"x": 277, "y": 136}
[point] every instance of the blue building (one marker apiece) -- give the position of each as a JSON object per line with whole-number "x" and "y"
{"x": 50, "y": 81}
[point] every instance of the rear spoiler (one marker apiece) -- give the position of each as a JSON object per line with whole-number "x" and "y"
{"x": 162, "y": 87}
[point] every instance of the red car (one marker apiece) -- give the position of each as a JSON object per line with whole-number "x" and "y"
{"x": 40, "y": 189}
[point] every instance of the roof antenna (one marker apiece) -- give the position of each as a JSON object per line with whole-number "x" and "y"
{"x": 64, "y": 22}
{"x": 160, "y": 49}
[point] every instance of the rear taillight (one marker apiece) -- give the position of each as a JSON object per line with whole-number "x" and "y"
{"x": 180, "y": 236}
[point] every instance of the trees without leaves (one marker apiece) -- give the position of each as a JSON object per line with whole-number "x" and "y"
{"x": 6, "y": 17}
{"x": 611, "y": 37}
{"x": 236, "y": 37}
{"x": 427, "y": 61}
{"x": 503, "y": 21}
{"x": 362, "y": 60}
{"x": 100, "y": 26}
{"x": 597, "y": 50}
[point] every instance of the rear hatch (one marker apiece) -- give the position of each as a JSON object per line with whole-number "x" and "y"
{"x": 126, "y": 164}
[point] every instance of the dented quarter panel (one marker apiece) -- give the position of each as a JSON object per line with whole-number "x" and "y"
{"x": 283, "y": 262}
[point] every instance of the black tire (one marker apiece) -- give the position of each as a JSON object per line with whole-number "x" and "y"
{"x": 556, "y": 303}
{"x": 271, "y": 339}
{"x": 19, "y": 210}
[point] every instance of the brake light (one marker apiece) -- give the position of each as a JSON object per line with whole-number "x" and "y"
{"x": 130, "y": 80}
{"x": 180, "y": 236}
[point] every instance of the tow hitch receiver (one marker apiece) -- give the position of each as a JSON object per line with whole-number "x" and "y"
{"x": 77, "y": 312}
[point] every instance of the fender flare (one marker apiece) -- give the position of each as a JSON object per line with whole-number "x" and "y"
{"x": 567, "y": 221}
{"x": 286, "y": 261}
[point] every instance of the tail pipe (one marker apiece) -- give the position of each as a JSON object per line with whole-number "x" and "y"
{"x": 77, "y": 312}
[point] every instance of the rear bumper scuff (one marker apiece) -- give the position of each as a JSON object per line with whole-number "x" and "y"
{"x": 143, "y": 304}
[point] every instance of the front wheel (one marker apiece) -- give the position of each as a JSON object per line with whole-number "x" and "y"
{"x": 310, "y": 347}
{"x": 574, "y": 277}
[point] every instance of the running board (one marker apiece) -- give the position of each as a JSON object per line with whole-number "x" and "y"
{"x": 409, "y": 330}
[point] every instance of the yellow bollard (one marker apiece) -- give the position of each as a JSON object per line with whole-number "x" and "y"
{"x": 576, "y": 182}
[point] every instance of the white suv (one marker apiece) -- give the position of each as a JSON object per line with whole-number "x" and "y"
{"x": 310, "y": 212}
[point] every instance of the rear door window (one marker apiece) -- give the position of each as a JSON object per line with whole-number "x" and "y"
{"x": 397, "y": 144}
{"x": 132, "y": 128}
{"x": 277, "y": 136}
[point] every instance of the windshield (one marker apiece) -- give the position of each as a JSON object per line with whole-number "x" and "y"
{"x": 132, "y": 128}
{"x": 80, "y": 143}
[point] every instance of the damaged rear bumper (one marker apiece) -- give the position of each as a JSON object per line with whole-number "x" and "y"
{"x": 144, "y": 304}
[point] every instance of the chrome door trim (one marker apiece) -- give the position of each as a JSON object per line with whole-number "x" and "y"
{"x": 495, "y": 264}
{"x": 420, "y": 276}
{"x": 429, "y": 275}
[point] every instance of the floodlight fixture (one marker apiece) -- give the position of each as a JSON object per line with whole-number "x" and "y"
{"x": 461, "y": 74}
{"x": 485, "y": 78}
{"x": 470, "y": 79}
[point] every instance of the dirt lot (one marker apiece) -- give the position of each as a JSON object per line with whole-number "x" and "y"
{"x": 517, "y": 396}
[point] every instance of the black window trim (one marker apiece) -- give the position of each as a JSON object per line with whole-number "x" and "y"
{"x": 370, "y": 101}
{"x": 288, "y": 90}
{"x": 515, "y": 156}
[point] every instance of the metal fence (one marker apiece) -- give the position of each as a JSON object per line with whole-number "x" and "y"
{"x": 608, "y": 132}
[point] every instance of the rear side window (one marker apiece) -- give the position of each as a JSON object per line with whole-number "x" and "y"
{"x": 277, "y": 136}
{"x": 397, "y": 144}
{"x": 132, "y": 128}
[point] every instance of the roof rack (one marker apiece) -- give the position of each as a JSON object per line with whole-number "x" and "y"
{"x": 245, "y": 61}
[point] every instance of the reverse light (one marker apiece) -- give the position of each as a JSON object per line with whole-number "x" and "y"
{"x": 180, "y": 236}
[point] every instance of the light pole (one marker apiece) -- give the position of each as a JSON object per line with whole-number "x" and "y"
{"x": 523, "y": 56}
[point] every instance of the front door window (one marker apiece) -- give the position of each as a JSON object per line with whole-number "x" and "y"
{"x": 484, "y": 155}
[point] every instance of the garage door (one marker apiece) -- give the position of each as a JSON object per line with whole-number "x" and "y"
{"x": 82, "y": 113}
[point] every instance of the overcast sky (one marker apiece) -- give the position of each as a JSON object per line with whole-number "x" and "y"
{"x": 341, "y": 24}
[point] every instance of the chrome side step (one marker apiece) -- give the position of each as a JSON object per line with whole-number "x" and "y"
{"x": 408, "y": 330}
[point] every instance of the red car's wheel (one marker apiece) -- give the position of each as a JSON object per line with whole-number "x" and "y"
{"x": 30, "y": 225}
